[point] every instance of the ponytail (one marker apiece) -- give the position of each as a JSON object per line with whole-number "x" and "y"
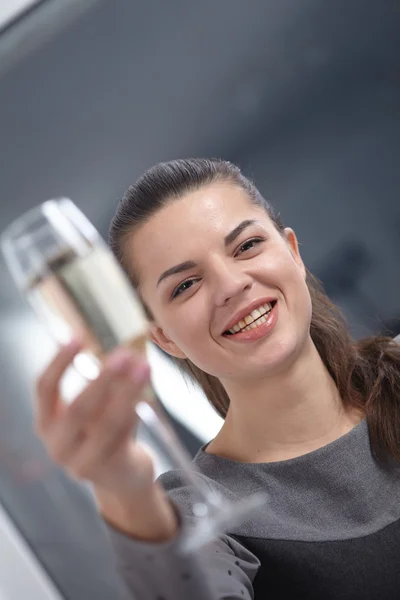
{"x": 377, "y": 380}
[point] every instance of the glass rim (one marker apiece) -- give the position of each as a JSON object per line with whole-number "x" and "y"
{"x": 17, "y": 225}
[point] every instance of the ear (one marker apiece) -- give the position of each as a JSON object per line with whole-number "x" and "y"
{"x": 293, "y": 244}
{"x": 159, "y": 337}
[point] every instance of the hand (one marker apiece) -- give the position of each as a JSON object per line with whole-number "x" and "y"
{"x": 92, "y": 437}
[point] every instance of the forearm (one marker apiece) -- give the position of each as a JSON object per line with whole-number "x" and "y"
{"x": 148, "y": 516}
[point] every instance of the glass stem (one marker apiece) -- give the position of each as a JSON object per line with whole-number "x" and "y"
{"x": 163, "y": 435}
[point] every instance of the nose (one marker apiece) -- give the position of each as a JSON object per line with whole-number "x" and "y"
{"x": 230, "y": 282}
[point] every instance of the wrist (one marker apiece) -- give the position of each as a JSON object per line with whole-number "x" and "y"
{"x": 146, "y": 516}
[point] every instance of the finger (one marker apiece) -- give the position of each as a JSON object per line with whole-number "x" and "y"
{"x": 120, "y": 410}
{"x": 111, "y": 432}
{"x": 84, "y": 408}
{"x": 71, "y": 431}
{"x": 48, "y": 384}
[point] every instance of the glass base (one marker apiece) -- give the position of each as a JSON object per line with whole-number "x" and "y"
{"x": 209, "y": 526}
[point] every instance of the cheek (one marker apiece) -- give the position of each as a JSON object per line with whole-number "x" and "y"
{"x": 192, "y": 334}
{"x": 300, "y": 303}
{"x": 292, "y": 283}
{"x": 190, "y": 327}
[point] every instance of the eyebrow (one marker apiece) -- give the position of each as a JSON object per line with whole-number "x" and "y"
{"x": 190, "y": 264}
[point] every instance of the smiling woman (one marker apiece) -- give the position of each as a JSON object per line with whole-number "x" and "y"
{"x": 309, "y": 414}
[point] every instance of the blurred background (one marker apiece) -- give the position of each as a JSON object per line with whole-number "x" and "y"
{"x": 304, "y": 96}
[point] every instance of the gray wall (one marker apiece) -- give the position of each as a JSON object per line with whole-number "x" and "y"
{"x": 303, "y": 95}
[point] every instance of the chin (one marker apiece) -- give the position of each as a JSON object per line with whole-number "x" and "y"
{"x": 280, "y": 356}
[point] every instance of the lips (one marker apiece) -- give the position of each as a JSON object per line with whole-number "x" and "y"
{"x": 260, "y": 331}
{"x": 246, "y": 311}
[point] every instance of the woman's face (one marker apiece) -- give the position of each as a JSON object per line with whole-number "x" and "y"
{"x": 223, "y": 275}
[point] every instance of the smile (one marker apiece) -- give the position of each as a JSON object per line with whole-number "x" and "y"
{"x": 256, "y": 318}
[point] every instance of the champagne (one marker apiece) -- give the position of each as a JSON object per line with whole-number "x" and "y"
{"x": 91, "y": 297}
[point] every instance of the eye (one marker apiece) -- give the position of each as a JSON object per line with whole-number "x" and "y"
{"x": 180, "y": 288}
{"x": 252, "y": 243}
{"x": 245, "y": 247}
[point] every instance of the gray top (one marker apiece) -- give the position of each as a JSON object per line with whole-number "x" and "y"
{"x": 330, "y": 529}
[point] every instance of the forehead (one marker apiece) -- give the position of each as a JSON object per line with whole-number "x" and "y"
{"x": 188, "y": 225}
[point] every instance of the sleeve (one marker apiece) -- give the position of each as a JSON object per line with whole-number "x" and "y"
{"x": 221, "y": 570}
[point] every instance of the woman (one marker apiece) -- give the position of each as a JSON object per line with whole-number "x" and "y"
{"x": 310, "y": 417}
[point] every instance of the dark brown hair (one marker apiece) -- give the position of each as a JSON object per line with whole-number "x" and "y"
{"x": 366, "y": 372}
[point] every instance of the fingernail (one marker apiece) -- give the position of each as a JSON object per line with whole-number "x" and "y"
{"x": 141, "y": 372}
{"x": 119, "y": 360}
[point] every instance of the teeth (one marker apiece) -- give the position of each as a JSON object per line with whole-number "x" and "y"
{"x": 256, "y": 313}
{"x": 248, "y": 322}
{"x": 254, "y": 325}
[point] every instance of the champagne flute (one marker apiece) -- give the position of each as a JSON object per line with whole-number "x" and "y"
{"x": 61, "y": 264}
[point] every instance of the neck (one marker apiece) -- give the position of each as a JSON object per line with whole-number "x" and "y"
{"x": 284, "y": 416}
